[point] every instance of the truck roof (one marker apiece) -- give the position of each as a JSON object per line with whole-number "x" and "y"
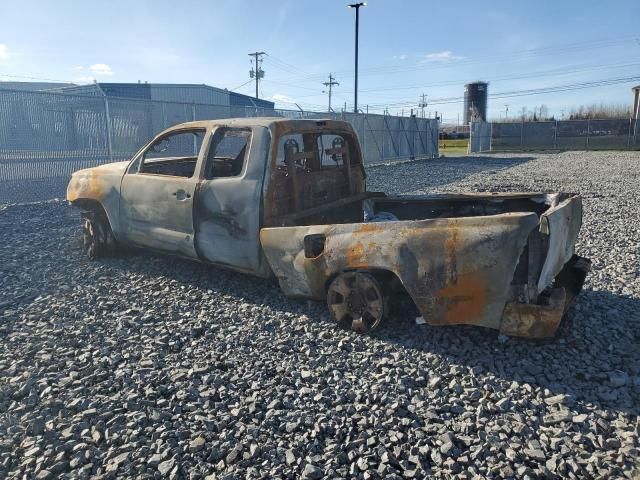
{"x": 260, "y": 122}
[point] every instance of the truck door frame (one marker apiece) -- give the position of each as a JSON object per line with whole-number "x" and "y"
{"x": 156, "y": 210}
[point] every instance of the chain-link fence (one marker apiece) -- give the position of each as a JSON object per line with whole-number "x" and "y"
{"x": 605, "y": 134}
{"x": 44, "y": 136}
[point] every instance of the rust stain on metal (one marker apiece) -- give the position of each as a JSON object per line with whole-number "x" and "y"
{"x": 355, "y": 254}
{"x": 535, "y": 321}
{"x": 465, "y": 298}
{"x": 87, "y": 185}
{"x": 369, "y": 228}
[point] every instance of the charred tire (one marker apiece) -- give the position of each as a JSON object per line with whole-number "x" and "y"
{"x": 97, "y": 237}
{"x": 356, "y": 301}
{"x": 566, "y": 324}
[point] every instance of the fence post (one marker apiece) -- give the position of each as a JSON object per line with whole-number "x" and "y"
{"x": 555, "y": 136}
{"x": 588, "y": 131}
{"x": 491, "y": 137}
{"x": 374, "y": 138}
{"x": 364, "y": 134}
{"x": 393, "y": 143}
{"x": 108, "y": 120}
{"x": 384, "y": 122}
{"x": 522, "y": 134}
{"x": 406, "y": 136}
{"x": 195, "y": 139}
{"x": 629, "y": 135}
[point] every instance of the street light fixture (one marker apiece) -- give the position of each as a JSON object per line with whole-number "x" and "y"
{"x": 357, "y": 7}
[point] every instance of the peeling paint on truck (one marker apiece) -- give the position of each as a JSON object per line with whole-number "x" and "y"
{"x": 301, "y": 212}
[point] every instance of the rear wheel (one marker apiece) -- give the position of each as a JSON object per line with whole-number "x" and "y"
{"x": 356, "y": 301}
{"x": 97, "y": 239}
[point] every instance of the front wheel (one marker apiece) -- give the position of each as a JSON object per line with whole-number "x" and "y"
{"x": 355, "y": 300}
{"x": 97, "y": 238}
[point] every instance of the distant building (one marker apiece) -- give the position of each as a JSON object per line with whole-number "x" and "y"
{"x": 636, "y": 102}
{"x": 170, "y": 92}
{"x": 34, "y": 86}
{"x": 136, "y": 112}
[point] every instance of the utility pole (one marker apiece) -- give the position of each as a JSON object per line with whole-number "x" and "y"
{"x": 357, "y": 7}
{"x": 258, "y": 73}
{"x": 506, "y": 111}
{"x": 422, "y": 104}
{"x": 330, "y": 84}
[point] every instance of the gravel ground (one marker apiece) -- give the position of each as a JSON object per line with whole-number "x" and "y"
{"x": 150, "y": 367}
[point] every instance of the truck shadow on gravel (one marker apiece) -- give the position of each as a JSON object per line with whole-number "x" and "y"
{"x": 596, "y": 363}
{"x": 410, "y": 176}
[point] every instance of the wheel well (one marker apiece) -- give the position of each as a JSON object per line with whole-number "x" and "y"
{"x": 89, "y": 205}
{"x": 386, "y": 278}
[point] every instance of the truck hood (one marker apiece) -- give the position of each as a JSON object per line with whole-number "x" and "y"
{"x": 97, "y": 182}
{"x": 116, "y": 168}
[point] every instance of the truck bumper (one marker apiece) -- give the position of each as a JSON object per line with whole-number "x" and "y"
{"x": 542, "y": 320}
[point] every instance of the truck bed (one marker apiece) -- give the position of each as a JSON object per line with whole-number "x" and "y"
{"x": 461, "y": 258}
{"x": 357, "y": 208}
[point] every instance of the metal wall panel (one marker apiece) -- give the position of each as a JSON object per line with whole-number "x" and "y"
{"x": 592, "y": 134}
{"x": 189, "y": 94}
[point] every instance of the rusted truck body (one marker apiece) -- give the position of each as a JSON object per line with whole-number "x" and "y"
{"x": 271, "y": 196}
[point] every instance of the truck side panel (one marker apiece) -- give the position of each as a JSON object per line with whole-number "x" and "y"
{"x": 456, "y": 270}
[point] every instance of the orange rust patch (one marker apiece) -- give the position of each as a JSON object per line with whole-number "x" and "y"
{"x": 86, "y": 185}
{"x": 355, "y": 254}
{"x": 464, "y": 299}
{"x": 369, "y": 228}
{"x": 451, "y": 244}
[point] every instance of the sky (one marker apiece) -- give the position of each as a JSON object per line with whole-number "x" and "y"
{"x": 407, "y": 48}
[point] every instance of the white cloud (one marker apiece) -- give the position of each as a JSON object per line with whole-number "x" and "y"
{"x": 400, "y": 57}
{"x": 77, "y": 68}
{"x": 444, "y": 56}
{"x": 101, "y": 70}
{"x": 4, "y": 51}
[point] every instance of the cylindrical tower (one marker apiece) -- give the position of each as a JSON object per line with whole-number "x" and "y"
{"x": 475, "y": 102}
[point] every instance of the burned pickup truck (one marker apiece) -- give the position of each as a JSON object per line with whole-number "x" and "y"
{"x": 271, "y": 196}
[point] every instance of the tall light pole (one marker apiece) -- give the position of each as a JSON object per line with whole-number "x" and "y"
{"x": 357, "y": 7}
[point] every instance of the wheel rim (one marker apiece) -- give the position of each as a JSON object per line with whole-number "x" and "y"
{"x": 356, "y": 301}
{"x": 89, "y": 238}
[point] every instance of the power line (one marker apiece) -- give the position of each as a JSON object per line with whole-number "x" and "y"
{"x": 527, "y": 75}
{"x": 291, "y": 85}
{"x": 540, "y": 74}
{"x": 240, "y": 86}
{"x": 555, "y": 50}
{"x": 520, "y": 93}
{"x": 287, "y": 67}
